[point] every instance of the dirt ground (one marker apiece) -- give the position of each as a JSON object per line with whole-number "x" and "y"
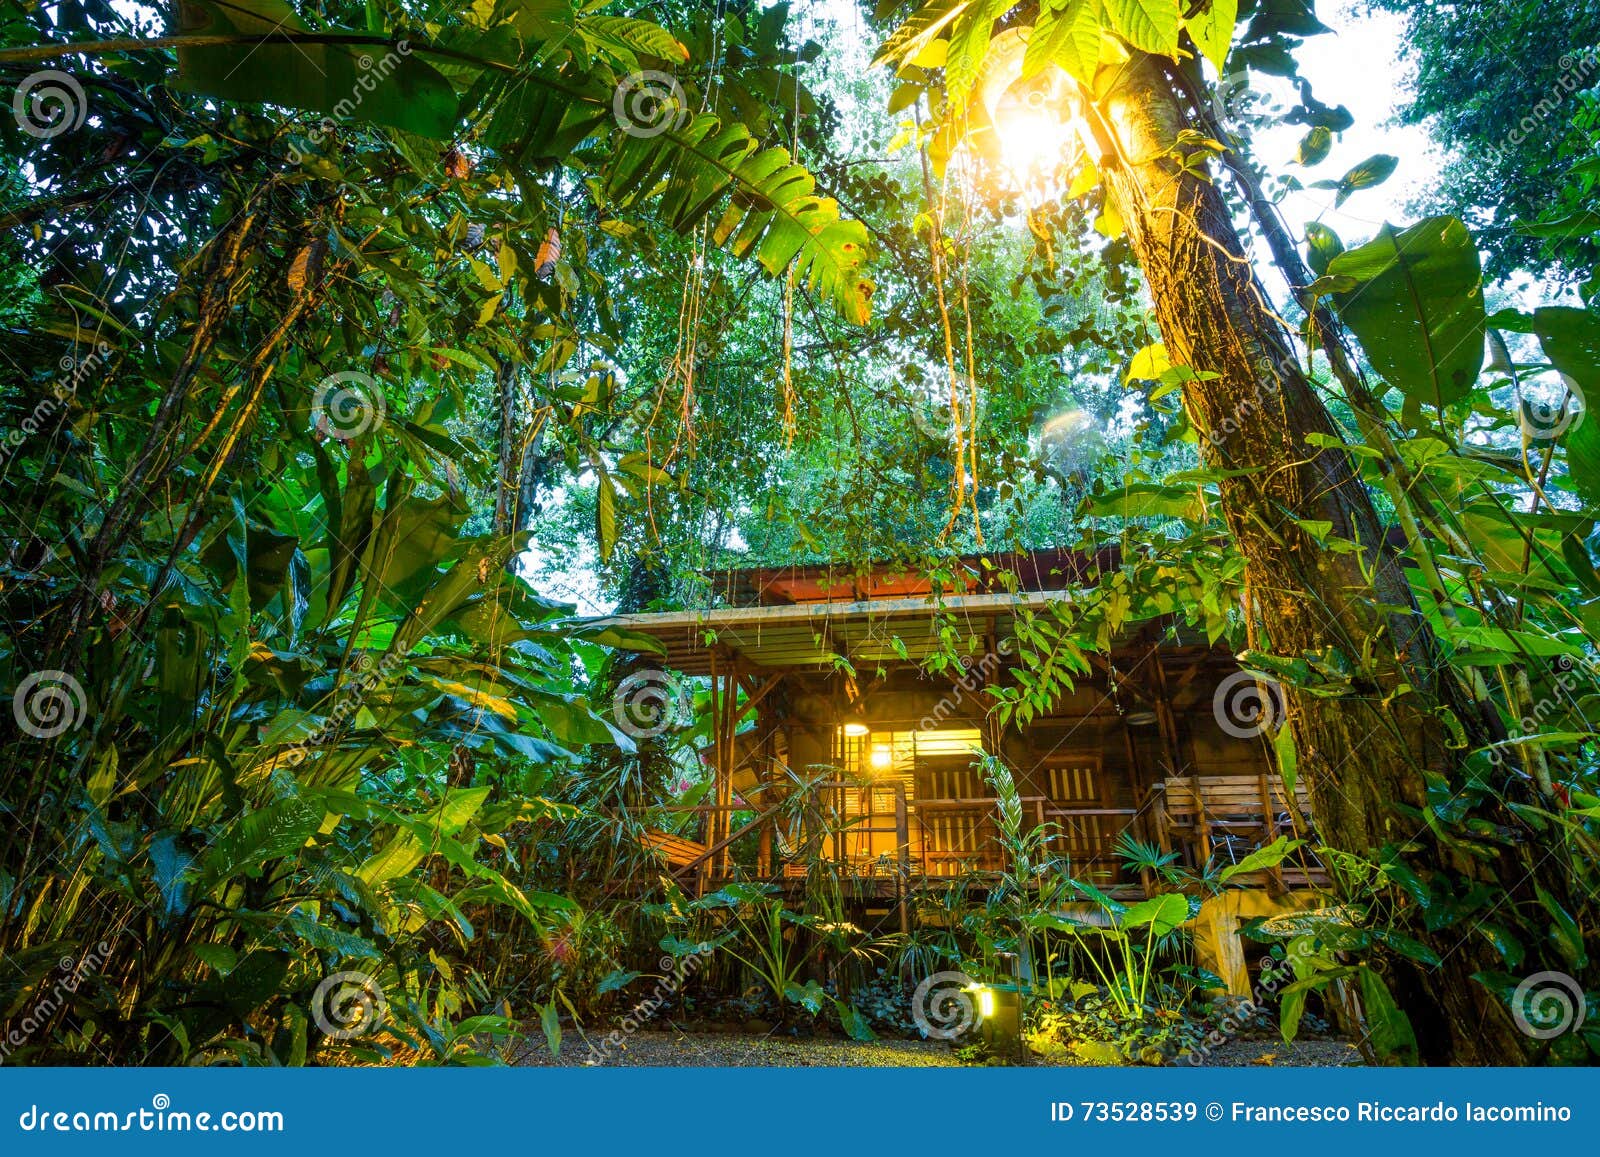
{"x": 722, "y": 1050}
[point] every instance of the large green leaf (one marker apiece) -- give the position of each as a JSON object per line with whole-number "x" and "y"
{"x": 1570, "y": 338}
{"x": 1414, "y": 297}
{"x": 478, "y": 571}
{"x": 1066, "y": 34}
{"x": 1388, "y": 1028}
{"x": 1161, "y": 914}
{"x": 376, "y": 83}
{"x": 279, "y": 829}
{"x": 411, "y": 542}
{"x": 1146, "y": 500}
{"x": 1212, "y": 30}
{"x": 771, "y": 205}
{"x": 542, "y": 116}
{"x": 1375, "y": 170}
{"x": 1313, "y": 149}
{"x": 1148, "y": 24}
{"x": 1268, "y": 857}
{"x": 685, "y": 168}
{"x": 969, "y": 44}
{"x": 626, "y": 39}
{"x": 923, "y": 26}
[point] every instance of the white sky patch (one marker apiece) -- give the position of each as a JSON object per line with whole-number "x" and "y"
{"x": 1358, "y": 66}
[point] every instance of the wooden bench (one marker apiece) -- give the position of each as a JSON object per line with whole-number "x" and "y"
{"x": 678, "y": 851}
{"x": 1226, "y": 796}
{"x": 1253, "y": 807}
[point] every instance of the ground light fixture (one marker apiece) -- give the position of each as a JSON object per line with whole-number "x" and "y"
{"x": 998, "y": 1011}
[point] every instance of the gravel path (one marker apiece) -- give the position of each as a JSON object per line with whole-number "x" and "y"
{"x": 732, "y": 1050}
{"x": 1321, "y": 1054}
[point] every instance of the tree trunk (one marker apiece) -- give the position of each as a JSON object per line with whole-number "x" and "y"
{"x": 1362, "y": 752}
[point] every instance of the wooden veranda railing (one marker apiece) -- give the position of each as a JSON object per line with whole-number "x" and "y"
{"x": 1205, "y": 818}
{"x": 931, "y": 837}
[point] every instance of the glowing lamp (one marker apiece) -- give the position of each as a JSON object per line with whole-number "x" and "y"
{"x": 985, "y": 1002}
{"x": 882, "y": 757}
{"x": 856, "y": 730}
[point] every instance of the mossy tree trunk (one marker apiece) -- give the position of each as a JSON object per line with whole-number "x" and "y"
{"x": 1255, "y": 412}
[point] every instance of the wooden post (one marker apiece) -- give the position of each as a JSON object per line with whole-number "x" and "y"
{"x": 730, "y": 697}
{"x": 769, "y": 745}
{"x": 841, "y": 849}
{"x": 722, "y": 692}
{"x": 1269, "y": 826}
{"x": 1170, "y": 749}
{"x": 902, "y": 835}
{"x": 1142, "y": 798}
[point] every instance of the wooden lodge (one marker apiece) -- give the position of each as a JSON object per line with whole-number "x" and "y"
{"x": 820, "y": 678}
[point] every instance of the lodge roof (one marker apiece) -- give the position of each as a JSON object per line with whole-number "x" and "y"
{"x": 802, "y": 618}
{"x": 992, "y": 572}
{"x": 809, "y": 634}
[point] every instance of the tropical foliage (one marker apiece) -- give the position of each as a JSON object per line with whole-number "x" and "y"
{"x": 339, "y": 336}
